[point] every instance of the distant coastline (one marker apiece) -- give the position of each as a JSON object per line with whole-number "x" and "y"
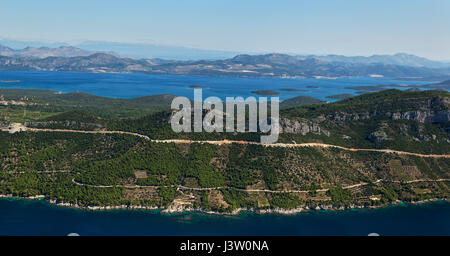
{"x": 266, "y": 92}
{"x": 10, "y": 81}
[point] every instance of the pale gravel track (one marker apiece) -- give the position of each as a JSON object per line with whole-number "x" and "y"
{"x": 227, "y": 142}
{"x": 180, "y": 187}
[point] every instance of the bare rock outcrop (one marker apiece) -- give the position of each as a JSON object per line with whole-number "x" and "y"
{"x": 378, "y": 136}
{"x": 302, "y": 127}
{"x": 422, "y": 116}
{"x": 342, "y": 116}
{"x": 65, "y": 124}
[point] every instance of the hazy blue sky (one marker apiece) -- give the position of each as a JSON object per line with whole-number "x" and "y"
{"x": 352, "y": 27}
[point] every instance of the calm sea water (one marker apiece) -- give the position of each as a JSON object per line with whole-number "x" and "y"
{"x": 21, "y": 217}
{"x": 24, "y": 217}
{"x": 136, "y": 85}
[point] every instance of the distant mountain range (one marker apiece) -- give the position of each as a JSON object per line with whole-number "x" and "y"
{"x": 269, "y": 65}
{"x": 135, "y": 50}
{"x": 70, "y": 58}
{"x": 401, "y": 59}
{"x": 154, "y": 51}
{"x": 44, "y": 52}
{"x": 20, "y": 44}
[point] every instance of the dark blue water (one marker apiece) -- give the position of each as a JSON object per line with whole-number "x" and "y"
{"x": 135, "y": 85}
{"x": 23, "y": 217}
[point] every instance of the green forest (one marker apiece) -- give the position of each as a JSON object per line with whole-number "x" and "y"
{"x": 120, "y": 169}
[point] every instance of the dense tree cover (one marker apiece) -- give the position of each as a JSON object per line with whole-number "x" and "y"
{"x": 389, "y": 194}
{"x": 167, "y": 195}
{"x": 58, "y": 187}
{"x": 87, "y": 112}
{"x": 198, "y": 165}
{"x": 285, "y": 201}
{"x": 237, "y": 199}
{"x": 48, "y": 163}
{"x": 240, "y": 178}
{"x": 339, "y": 196}
{"x": 52, "y": 163}
{"x": 46, "y": 103}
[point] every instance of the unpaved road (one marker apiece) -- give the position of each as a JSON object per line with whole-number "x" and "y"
{"x": 19, "y": 127}
{"x": 179, "y": 187}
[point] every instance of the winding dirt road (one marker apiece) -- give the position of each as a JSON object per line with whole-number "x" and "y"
{"x": 180, "y": 187}
{"x": 19, "y": 127}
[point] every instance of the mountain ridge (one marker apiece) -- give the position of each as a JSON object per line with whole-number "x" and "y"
{"x": 251, "y": 66}
{"x": 278, "y": 65}
{"x": 158, "y": 51}
{"x": 403, "y": 59}
{"x": 44, "y": 52}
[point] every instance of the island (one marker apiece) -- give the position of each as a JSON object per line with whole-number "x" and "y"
{"x": 266, "y": 92}
{"x": 10, "y": 81}
{"x": 300, "y": 101}
{"x": 197, "y": 86}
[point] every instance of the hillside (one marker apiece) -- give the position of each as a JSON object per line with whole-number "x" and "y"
{"x": 101, "y": 169}
{"x": 42, "y": 103}
{"x": 403, "y": 120}
{"x": 418, "y": 121}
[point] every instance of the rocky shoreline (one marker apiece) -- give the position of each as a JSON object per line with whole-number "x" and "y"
{"x": 180, "y": 210}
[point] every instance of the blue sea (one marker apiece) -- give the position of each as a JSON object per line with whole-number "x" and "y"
{"x": 136, "y": 85}
{"x": 24, "y": 217}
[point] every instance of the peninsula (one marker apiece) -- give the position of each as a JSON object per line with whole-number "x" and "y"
{"x": 95, "y": 152}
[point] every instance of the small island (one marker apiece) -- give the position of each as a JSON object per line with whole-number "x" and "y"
{"x": 300, "y": 101}
{"x": 266, "y": 92}
{"x": 292, "y": 90}
{"x": 197, "y": 86}
{"x": 312, "y": 86}
{"x": 10, "y": 81}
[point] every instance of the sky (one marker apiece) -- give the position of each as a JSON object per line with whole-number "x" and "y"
{"x": 348, "y": 27}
